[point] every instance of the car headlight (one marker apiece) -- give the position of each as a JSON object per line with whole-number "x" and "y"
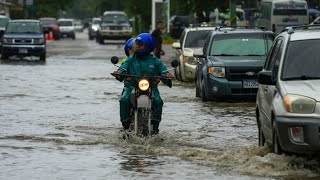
{"x": 299, "y": 104}
{"x": 95, "y": 28}
{"x": 144, "y": 84}
{"x": 219, "y": 72}
{"x": 190, "y": 60}
{"x": 38, "y": 41}
{"x": 7, "y": 40}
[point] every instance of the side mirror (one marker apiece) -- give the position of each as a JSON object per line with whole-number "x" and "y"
{"x": 266, "y": 78}
{"x": 198, "y": 53}
{"x": 176, "y": 45}
{"x": 175, "y": 63}
{"x": 114, "y": 60}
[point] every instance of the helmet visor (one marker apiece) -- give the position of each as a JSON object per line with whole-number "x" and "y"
{"x": 139, "y": 47}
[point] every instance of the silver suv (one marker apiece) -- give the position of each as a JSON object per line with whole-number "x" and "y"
{"x": 114, "y": 25}
{"x": 192, "y": 38}
{"x": 288, "y": 99}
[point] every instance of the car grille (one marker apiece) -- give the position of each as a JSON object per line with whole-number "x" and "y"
{"x": 236, "y": 73}
{"x": 244, "y": 91}
{"x": 116, "y": 27}
{"x": 23, "y": 41}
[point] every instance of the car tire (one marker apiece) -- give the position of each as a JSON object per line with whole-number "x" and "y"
{"x": 177, "y": 74}
{"x": 4, "y": 56}
{"x": 197, "y": 89}
{"x": 203, "y": 93}
{"x": 262, "y": 139}
{"x": 43, "y": 57}
{"x": 101, "y": 40}
{"x": 91, "y": 38}
{"x": 73, "y": 36}
{"x": 276, "y": 148}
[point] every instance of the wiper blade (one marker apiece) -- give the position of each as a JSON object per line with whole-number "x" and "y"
{"x": 304, "y": 77}
{"x": 225, "y": 55}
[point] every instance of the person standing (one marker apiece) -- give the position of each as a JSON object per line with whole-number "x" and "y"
{"x": 157, "y": 35}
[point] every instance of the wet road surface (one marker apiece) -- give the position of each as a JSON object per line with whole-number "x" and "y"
{"x": 60, "y": 120}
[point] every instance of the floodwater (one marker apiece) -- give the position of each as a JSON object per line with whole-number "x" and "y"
{"x": 60, "y": 120}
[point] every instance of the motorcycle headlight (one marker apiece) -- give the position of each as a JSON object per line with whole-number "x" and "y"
{"x": 38, "y": 41}
{"x": 299, "y": 104}
{"x": 144, "y": 84}
{"x": 219, "y": 72}
{"x": 7, "y": 40}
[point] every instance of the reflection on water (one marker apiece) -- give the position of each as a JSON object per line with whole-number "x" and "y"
{"x": 24, "y": 62}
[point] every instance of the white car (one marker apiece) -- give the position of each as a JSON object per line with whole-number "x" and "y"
{"x": 67, "y": 28}
{"x": 192, "y": 38}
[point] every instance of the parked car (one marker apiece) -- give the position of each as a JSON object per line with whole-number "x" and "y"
{"x": 288, "y": 108}
{"x": 50, "y": 25}
{"x": 78, "y": 26}
{"x": 114, "y": 25}
{"x": 93, "y": 27}
{"x": 67, "y": 28}
{"x": 230, "y": 62}
{"x": 24, "y": 38}
{"x": 3, "y": 23}
{"x": 177, "y": 25}
{"x": 192, "y": 38}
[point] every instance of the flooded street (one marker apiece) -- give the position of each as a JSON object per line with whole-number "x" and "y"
{"x": 60, "y": 120}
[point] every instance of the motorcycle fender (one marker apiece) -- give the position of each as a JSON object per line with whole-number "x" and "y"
{"x": 144, "y": 101}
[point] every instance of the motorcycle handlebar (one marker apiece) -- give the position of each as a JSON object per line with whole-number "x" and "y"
{"x": 135, "y": 76}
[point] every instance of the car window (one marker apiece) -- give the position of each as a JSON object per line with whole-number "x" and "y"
{"x": 302, "y": 64}
{"x": 275, "y": 55}
{"x": 115, "y": 18}
{"x": 48, "y": 22}
{"x": 196, "y": 39}
{"x": 65, "y": 23}
{"x": 23, "y": 27}
{"x": 4, "y": 22}
{"x": 241, "y": 44}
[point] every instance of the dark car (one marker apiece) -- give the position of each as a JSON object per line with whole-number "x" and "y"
{"x": 177, "y": 25}
{"x": 50, "y": 25}
{"x": 24, "y": 38}
{"x": 229, "y": 63}
{"x": 3, "y": 23}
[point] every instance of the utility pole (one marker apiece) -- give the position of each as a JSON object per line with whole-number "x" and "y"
{"x": 233, "y": 14}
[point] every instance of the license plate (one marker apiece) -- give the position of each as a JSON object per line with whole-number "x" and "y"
{"x": 250, "y": 84}
{"x": 23, "y": 51}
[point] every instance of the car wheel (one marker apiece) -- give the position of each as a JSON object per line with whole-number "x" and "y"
{"x": 74, "y": 37}
{"x": 4, "y": 56}
{"x": 101, "y": 40}
{"x": 91, "y": 38}
{"x": 276, "y": 148}
{"x": 43, "y": 57}
{"x": 177, "y": 73}
{"x": 203, "y": 93}
{"x": 262, "y": 139}
{"x": 197, "y": 89}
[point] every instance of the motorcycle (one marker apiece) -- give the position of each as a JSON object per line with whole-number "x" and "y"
{"x": 141, "y": 112}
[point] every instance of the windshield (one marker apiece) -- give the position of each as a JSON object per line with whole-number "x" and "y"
{"x": 115, "y": 18}
{"x": 241, "y": 44}
{"x": 96, "y": 21}
{"x": 4, "y": 22}
{"x": 48, "y": 22}
{"x": 302, "y": 64}
{"x": 23, "y": 27}
{"x": 196, "y": 39}
{"x": 65, "y": 23}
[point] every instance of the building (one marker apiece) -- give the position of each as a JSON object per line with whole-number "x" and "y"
{"x": 5, "y": 7}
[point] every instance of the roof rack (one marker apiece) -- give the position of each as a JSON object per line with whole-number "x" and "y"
{"x": 204, "y": 24}
{"x": 290, "y": 30}
{"x": 220, "y": 28}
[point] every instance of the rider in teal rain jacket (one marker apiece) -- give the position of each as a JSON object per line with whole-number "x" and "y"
{"x": 142, "y": 63}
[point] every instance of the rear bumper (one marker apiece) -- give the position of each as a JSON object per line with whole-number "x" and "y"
{"x": 24, "y": 50}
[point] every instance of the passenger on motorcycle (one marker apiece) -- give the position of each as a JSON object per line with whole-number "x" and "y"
{"x": 142, "y": 63}
{"x": 128, "y": 49}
